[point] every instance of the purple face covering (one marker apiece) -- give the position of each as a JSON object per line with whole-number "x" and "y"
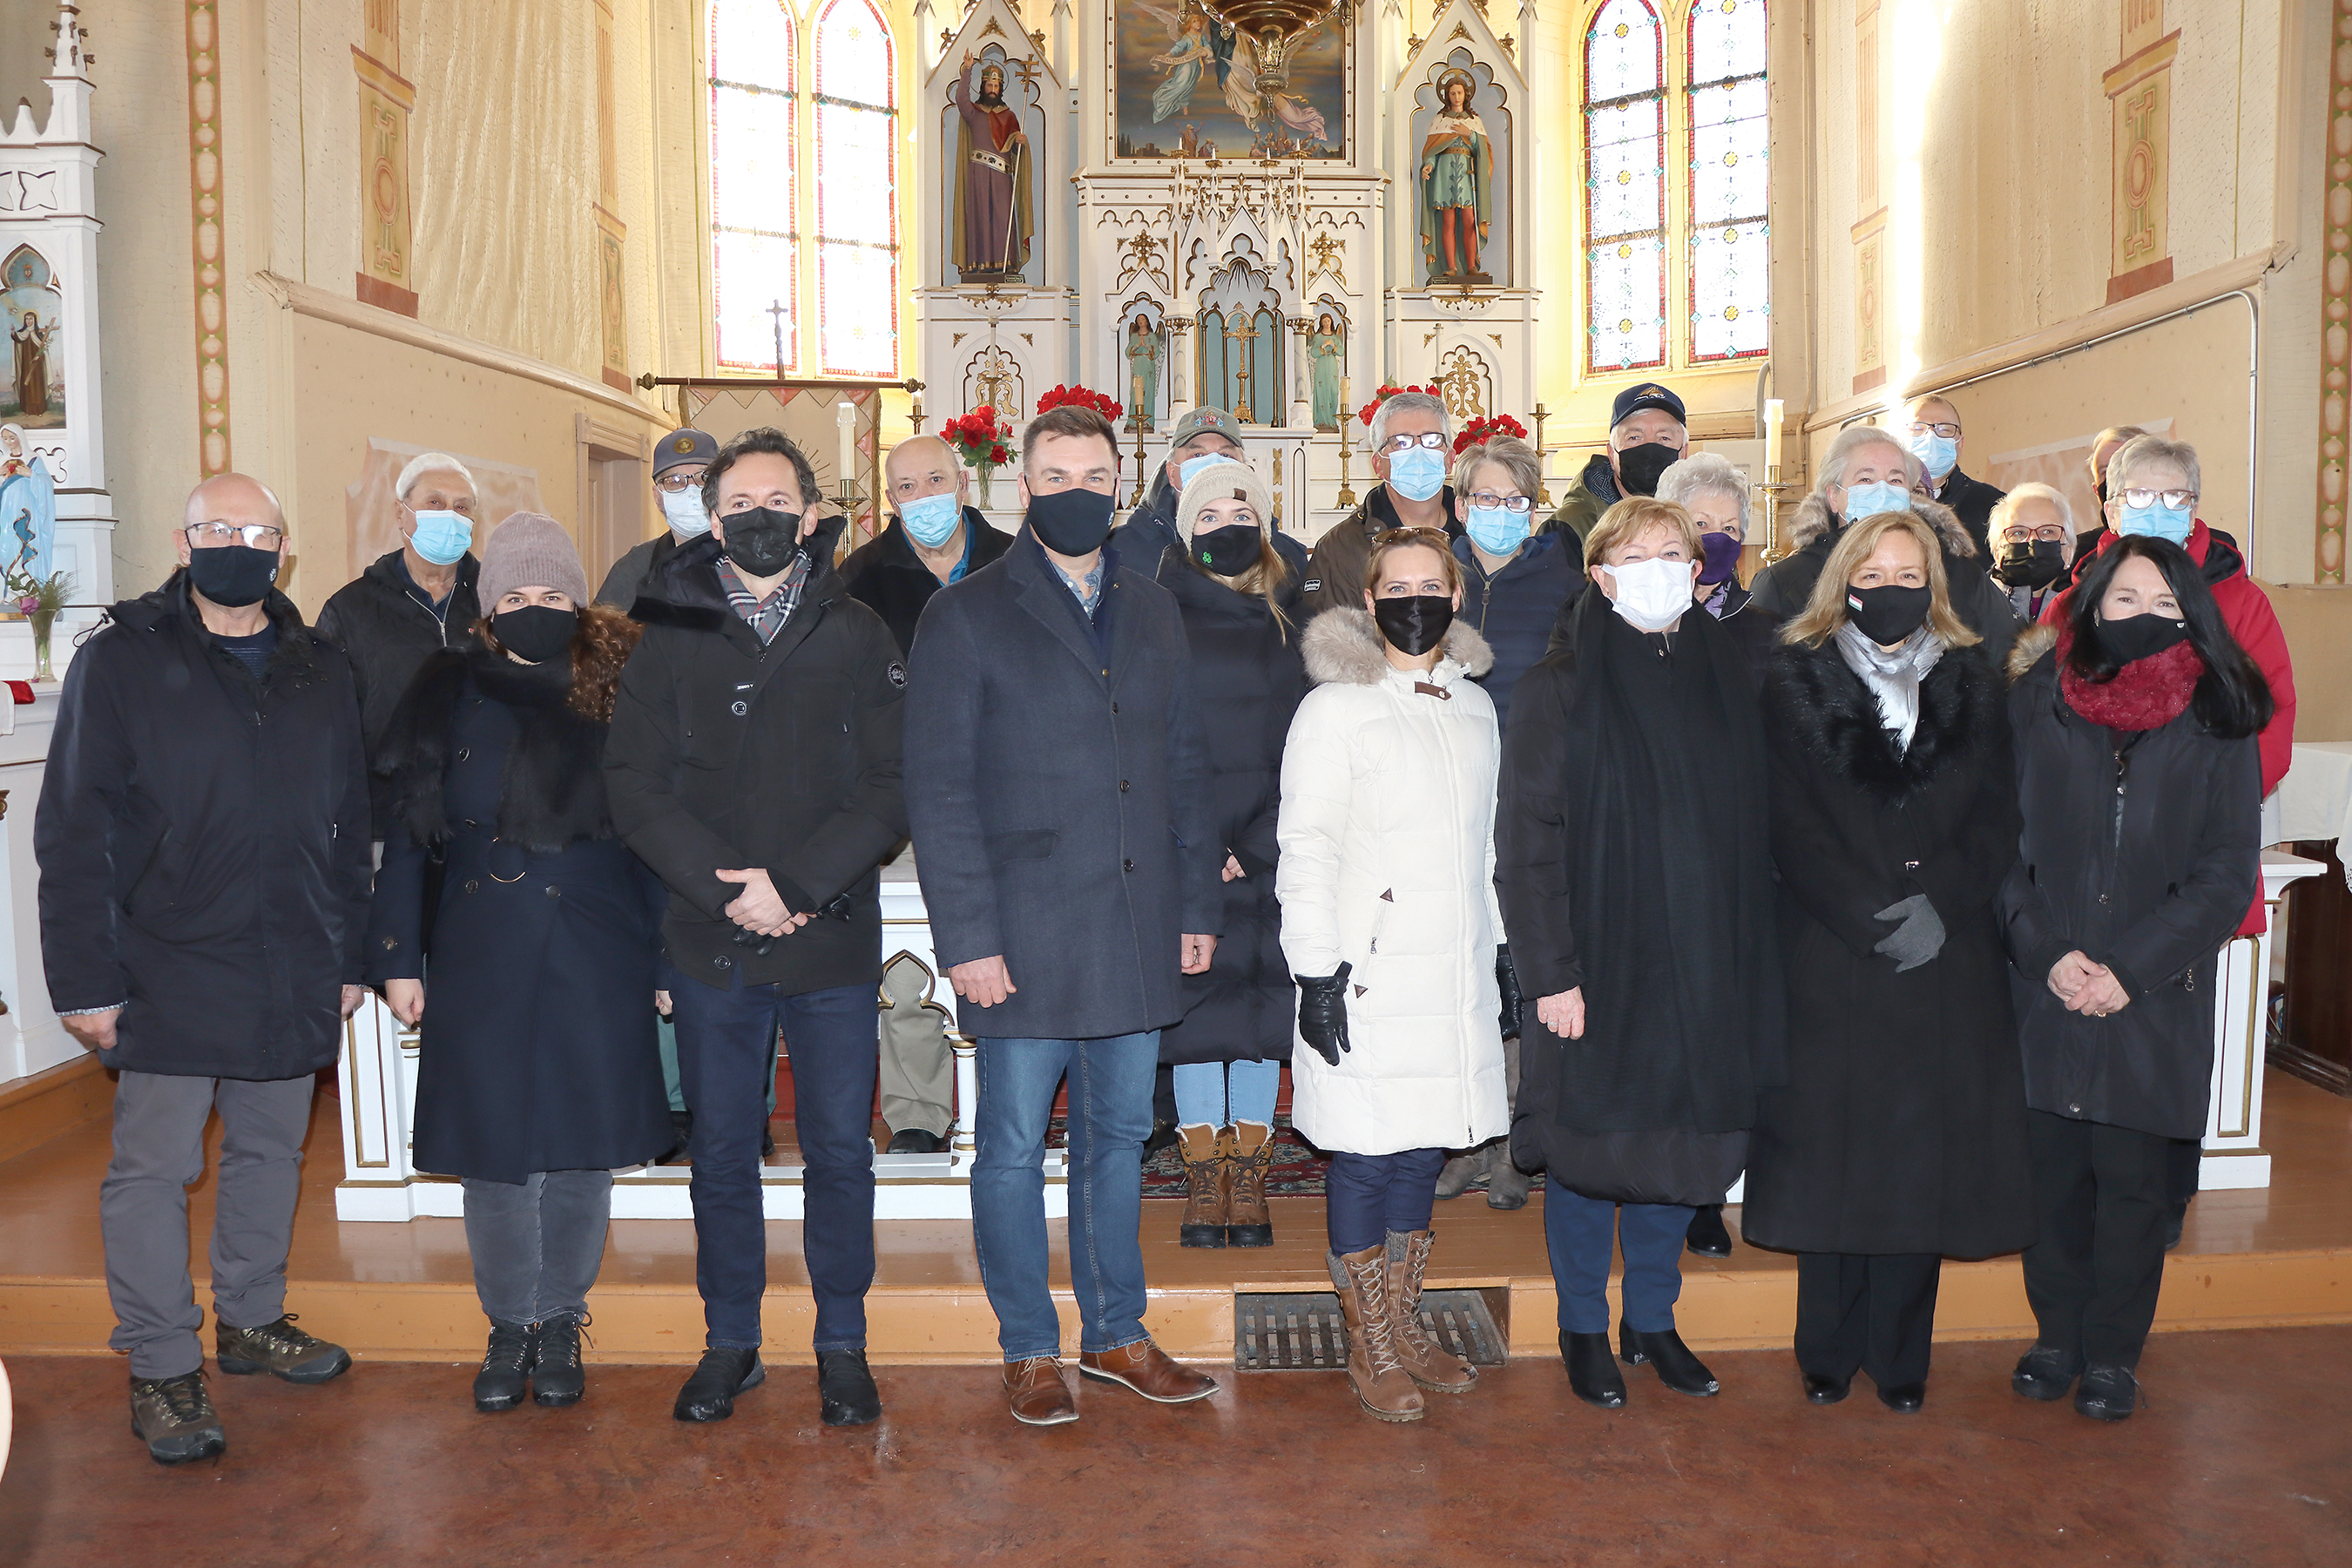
{"x": 1722, "y": 557}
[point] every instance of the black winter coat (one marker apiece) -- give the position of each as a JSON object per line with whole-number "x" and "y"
{"x": 1058, "y": 798}
{"x": 1150, "y": 532}
{"x": 1516, "y": 609}
{"x": 1783, "y": 588}
{"x": 1247, "y": 681}
{"x": 1972, "y": 501}
{"x": 888, "y": 577}
{"x": 1902, "y": 1125}
{"x": 203, "y": 841}
{"x": 629, "y": 573}
{"x": 726, "y": 754}
{"x": 2147, "y": 867}
{"x": 386, "y": 626}
{"x": 537, "y": 1046}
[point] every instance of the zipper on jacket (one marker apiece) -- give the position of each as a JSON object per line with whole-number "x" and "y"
{"x": 441, "y": 615}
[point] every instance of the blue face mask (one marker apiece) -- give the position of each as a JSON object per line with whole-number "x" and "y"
{"x": 2175, "y": 523}
{"x": 1939, "y": 453}
{"x": 443, "y": 537}
{"x": 1870, "y": 498}
{"x": 1496, "y": 531}
{"x": 931, "y": 520}
{"x": 685, "y": 512}
{"x": 1417, "y": 473}
{"x": 1191, "y": 466}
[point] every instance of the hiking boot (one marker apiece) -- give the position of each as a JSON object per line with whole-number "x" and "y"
{"x": 1249, "y": 1149}
{"x": 506, "y": 1366}
{"x": 1426, "y": 1360}
{"x": 279, "y": 1349}
{"x": 1204, "y": 1223}
{"x": 724, "y": 1371}
{"x": 1375, "y": 1371}
{"x": 175, "y": 1417}
{"x": 556, "y": 1375}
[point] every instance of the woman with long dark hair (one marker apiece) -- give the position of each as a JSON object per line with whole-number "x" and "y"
{"x": 2140, "y": 782}
{"x": 537, "y": 1071}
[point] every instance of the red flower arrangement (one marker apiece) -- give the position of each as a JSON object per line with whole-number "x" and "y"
{"x": 1382, "y": 395}
{"x": 978, "y": 438}
{"x": 1080, "y": 397}
{"x": 1485, "y": 427}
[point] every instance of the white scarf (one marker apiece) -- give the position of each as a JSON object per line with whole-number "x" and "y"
{"x": 1893, "y": 674}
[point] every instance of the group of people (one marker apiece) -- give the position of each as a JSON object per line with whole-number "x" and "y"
{"x": 1559, "y": 851}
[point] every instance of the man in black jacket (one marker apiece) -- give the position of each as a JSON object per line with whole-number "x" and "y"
{"x": 1936, "y": 439}
{"x": 753, "y": 764}
{"x": 680, "y": 459}
{"x": 936, "y": 537}
{"x": 203, "y": 840}
{"x": 1150, "y": 527}
{"x": 1062, "y": 833}
{"x": 411, "y": 600}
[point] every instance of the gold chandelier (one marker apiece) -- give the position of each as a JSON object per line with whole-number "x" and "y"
{"x": 1275, "y": 26}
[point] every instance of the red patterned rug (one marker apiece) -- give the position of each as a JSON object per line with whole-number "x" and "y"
{"x": 1298, "y": 1170}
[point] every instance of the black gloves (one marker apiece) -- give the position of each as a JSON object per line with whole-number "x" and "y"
{"x": 1507, "y": 979}
{"x": 1323, "y": 1012}
{"x": 1918, "y": 939}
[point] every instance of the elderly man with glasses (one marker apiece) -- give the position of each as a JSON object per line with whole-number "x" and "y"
{"x": 1934, "y": 438}
{"x": 1411, "y": 442}
{"x": 203, "y": 840}
{"x": 680, "y": 459}
{"x": 1649, "y": 431}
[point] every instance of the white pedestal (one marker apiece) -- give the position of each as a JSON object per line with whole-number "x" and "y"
{"x": 2234, "y": 1155}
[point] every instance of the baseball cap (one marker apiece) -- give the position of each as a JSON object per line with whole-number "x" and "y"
{"x": 684, "y": 449}
{"x": 1645, "y": 394}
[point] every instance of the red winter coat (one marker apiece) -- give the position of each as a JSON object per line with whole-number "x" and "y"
{"x": 2247, "y": 610}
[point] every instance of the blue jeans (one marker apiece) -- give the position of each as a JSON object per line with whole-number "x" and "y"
{"x": 1110, "y": 1116}
{"x": 1368, "y": 1196}
{"x": 725, "y": 1041}
{"x": 1219, "y": 1094}
{"x": 1578, "y": 1229}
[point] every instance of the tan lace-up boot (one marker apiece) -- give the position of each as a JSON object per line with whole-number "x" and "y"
{"x": 1383, "y": 1385}
{"x": 1205, "y": 1187}
{"x": 1249, "y": 1154}
{"x": 1429, "y": 1363}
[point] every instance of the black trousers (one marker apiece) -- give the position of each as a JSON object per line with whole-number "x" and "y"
{"x": 2102, "y": 1193}
{"x": 1874, "y": 1313}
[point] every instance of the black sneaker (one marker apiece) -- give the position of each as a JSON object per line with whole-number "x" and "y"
{"x": 2107, "y": 1392}
{"x": 2045, "y": 1373}
{"x": 175, "y": 1417}
{"x": 844, "y": 1389}
{"x": 506, "y": 1366}
{"x": 279, "y": 1349}
{"x": 718, "y": 1377}
{"x": 556, "y": 1375}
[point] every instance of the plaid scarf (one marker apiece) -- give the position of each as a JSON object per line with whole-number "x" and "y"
{"x": 765, "y": 616}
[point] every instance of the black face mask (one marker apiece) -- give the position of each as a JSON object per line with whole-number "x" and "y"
{"x": 2102, "y": 487}
{"x": 1414, "y": 625}
{"x": 233, "y": 575}
{"x": 1889, "y": 614}
{"x": 1229, "y": 551}
{"x": 764, "y": 541}
{"x": 536, "y": 632}
{"x": 2129, "y": 638}
{"x": 2031, "y": 563}
{"x": 1638, "y": 467}
{"x": 1073, "y": 522}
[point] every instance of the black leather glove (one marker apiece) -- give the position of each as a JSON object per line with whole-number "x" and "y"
{"x": 1918, "y": 939}
{"x": 1507, "y": 979}
{"x": 1323, "y": 1012}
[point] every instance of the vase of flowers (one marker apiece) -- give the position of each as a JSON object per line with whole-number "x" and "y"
{"x": 978, "y": 442}
{"x": 1484, "y": 429}
{"x": 38, "y": 600}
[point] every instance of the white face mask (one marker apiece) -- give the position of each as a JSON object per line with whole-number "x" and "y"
{"x": 685, "y": 513}
{"x": 1651, "y": 594}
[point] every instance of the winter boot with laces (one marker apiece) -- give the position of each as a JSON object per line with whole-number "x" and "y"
{"x": 1382, "y": 1384}
{"x": 1205, "y": 1175}
{"x": 556, "y": 1375}
{"x": 506, "y": 1366}
{"x": 1426, "y": 1362}
{"x": 1249, "y": 1150}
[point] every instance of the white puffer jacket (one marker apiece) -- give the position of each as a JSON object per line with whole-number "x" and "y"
{"x": 1388, "y": 864}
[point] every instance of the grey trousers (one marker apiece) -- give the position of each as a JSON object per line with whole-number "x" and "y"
{"x": 917, "y": 1072}
{"x": 537, "y": 1244}
{"x": 142, "y": 1209}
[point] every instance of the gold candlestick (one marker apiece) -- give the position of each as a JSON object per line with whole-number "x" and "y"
{"x": 1543, "y": 490}
{"x": 1137, "y": 500}
{"x": 1345, "y": 499}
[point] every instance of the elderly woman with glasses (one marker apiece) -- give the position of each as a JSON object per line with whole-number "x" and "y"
{"x": 1716, "y": 495}
{"x": 1631, "y": 864}
{"x": 1411, "y": 439}
{"x": 2032, "y": 531}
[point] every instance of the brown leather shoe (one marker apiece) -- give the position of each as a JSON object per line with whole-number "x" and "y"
{"x": 1038, "y": 1395}
{"x": 1143, "y": 1367}
{"x": 1375, "y": 1371}
{"x": 1426, "y": 1360}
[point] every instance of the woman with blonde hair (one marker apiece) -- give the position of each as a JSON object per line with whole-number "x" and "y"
{"x": 1899, "y": 1137}
{"x": 1632, "y": 869}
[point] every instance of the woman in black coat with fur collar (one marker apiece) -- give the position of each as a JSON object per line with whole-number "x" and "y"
{"x": 505, "y": 890}
{"x": 1899, "y": 1137}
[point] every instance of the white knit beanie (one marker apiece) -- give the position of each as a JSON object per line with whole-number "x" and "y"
{"x": 1235, "y": 480}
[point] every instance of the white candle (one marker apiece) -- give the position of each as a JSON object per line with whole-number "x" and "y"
{"x": 845, "y": 416}
{"x": 1773, "y": 406}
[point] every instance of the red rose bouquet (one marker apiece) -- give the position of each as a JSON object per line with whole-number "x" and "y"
{"x": 1382, "y": 395}
{"x": 1080, "y": 397}
{"x": 1485, "y": 427}
{"x": 978, "y": 439}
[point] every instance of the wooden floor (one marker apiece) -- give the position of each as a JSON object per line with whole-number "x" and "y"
{"x": 402, "y": 1291}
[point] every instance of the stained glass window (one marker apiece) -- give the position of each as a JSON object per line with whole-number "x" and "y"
{"x": 754, "y": 232}
{"x": 1730, "y": 295}
{"x": 1625, "y": 199}
{"x": 856, "y": 217}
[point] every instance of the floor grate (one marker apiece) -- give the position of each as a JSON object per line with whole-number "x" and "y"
{"x": 1305, "y": 1332}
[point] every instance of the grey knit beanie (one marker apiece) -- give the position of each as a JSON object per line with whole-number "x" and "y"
{"x": 529, "y": 551}
{"x": 1234, "y": 480}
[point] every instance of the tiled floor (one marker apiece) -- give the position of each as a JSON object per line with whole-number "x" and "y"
{"x": 2242, "y": 1457}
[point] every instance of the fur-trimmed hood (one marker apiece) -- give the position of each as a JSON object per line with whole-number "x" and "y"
{"x": 1828, "y": 712}
{"x": 1813, "y": 521}
{"x": 552, "y": 791}
{"x": 1343, "y": 647}
{"x": 2027, "y": 650}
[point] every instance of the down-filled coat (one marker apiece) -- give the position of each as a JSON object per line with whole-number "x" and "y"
{"x": 1902, "y": 1125}
{"x": 1387, "y": 864}
{"x": 1782, "y": 589}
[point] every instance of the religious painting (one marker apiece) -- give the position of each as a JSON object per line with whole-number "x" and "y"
{"x": 992, "y": 218}
{"x": 34, "y": 395}
{"x": 1143, "y": 351}
{"x": 1461, "y": 136}
{"x": 1189, "y": 82}
{"x": 1327, "y": 362}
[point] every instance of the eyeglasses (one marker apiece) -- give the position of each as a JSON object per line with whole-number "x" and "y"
{"x": 1949, "y": 432}
{"x": 2048, "y": 533}
{"x": 1428, "y": 439}
{"x": 1508, "y": 503}
{"x": 679, "y": 480}
{"x": 2172, "y": 500}
{"x": 253, "y": 535}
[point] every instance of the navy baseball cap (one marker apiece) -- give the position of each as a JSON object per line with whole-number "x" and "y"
{"x": 1646, "y": 395}
{"x": 683, "y": 448}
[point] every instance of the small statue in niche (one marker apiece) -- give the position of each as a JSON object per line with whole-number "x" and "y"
{"x": 1327, "y": 349}
{"x": 993, "y": 219}
{"x": 1458, "y": 173}
{"x": 1142, "y": 373}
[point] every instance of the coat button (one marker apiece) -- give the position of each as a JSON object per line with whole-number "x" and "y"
{"x": 1122, "y": 786}
{"x": 391, "y": 943}
{"x": 1114, "y": 708}
{"x": 1129, "y": 864}
{"x": 554, "y": 893}
{"x": 722, "y": 961}
{"x": 738, "y": 707}
{"x": 472, "y": 885}
{"x": 2104, "y": 899}
{"x": 1910, "y": 865}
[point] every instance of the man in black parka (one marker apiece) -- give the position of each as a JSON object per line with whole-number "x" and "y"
{"x": 753, "y": 764}
{"x": 202, "y": 839}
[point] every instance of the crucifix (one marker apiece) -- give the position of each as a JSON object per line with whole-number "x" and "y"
{"x": 776, "y": 309}
{"x": 1242, "y": 332}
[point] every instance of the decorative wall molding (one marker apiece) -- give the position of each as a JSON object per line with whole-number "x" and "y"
{"x": 206, "y": 188}
{"x": 385, "y": 218}
{"x": 2139, "y": 91}
{"x": 2335, "y": 302}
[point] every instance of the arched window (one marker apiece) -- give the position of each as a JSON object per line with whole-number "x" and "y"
{"x": 769, "y": 204}
{"x": 754, "y": 227}
{"x": 1705, "y": 206}
{"x": 857, "y": 224}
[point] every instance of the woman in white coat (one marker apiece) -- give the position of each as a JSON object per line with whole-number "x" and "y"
{"x": 1389, "y": 922}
